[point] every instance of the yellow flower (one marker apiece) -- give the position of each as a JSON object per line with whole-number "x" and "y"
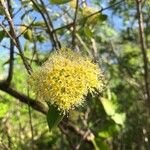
{"x": 65, "y": 79}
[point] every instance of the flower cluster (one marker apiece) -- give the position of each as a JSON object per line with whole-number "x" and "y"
{"x": 65, "y": 79}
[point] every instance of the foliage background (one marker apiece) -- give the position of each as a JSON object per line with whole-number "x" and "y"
{"x": 108, "y": 32}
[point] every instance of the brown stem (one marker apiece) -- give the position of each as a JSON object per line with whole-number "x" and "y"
{"x": 23, "y": 98}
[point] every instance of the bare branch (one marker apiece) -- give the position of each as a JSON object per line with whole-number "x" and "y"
{"x": 51, "y": 25}
{"x": 14, "y": 37}
{"x": 103, "y": 9}
{"x": 23, "y": 98}
{"x": 27, "y": 27}
{"x": 54, "y": 43}
{"x": 95, "y": 13}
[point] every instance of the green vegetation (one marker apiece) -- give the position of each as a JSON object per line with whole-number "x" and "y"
{"x": 115, "y": 35}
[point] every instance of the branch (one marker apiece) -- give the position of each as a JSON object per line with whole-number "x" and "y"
{"x": 27, "y": 27}
{"x": 68, "y": 26}
{"x": 103, "y": 9}
{"x": 95, "y": 13}
{"x": 11, "y": 61}
{"x": 14, "y": 36}
{"x": 143, "y": 49}
{"x": 23, "y": 98}
{"x": 51, "y": 25}
{"x": 85, "y": 135}
{"x": 47, "y": 25}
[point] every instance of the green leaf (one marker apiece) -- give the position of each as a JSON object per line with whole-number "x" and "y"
{"x": 103, "y": 17}
{"x": 54, "y": 117}
{"x": 88, "y": 32}
{"x": 59, "y": 1}
{"x": 119, "y": 118}
{"x": 109, "y": 106}
{"x": 104, "y": 134}
{"x": 111, "y": 110}
{"x": 28, "y": 35}
{"x": 3, "y": 109}
{"x": 109, "y": 131}
{"x": 101, "y": 144}
{"x": 2, "y": 11}
{"x": 2, "y": 34}
{"x": 41, "y": 38}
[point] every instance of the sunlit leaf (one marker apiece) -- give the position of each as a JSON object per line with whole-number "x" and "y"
{"x": 3, "y": 109}
{"x": 108, "y": 131}
{"x": 119, "y": 118}
{"x": 73, "y": 3}
{"x": 28, "y": 35}
{"x": 109, "y": 106}
{"x": 88, "y": 32}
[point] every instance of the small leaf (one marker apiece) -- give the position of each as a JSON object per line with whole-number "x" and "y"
{"x": 41, "y": 38}
{"x": 103, "y": 17}
{"x": 104, "y": 134}
{"x": 109, "y": 106}
{"x": 54, "y": 117}
{"x": 28, "y": 35}
{"x": 2, "y": 34}
{"x": 59, "y": 1}
{"x": 88, "y": 32}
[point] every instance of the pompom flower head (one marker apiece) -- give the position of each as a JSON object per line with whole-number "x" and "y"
{"x": 65, "y": 79}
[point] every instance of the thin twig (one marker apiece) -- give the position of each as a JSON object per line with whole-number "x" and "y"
{"x": 14, "y": 37}
{"x": 16, "y": 12}
{"x": 28, "y": 27}
{"x": 7, "y": 32}
{"x": 47, "y": 25}
{"x": 51, "y": 25}
{"x": 37, "y": 105}
{"x": 95, "y": 13}
{"x": 11, "y": 60}
{"x": 103, "y": 9}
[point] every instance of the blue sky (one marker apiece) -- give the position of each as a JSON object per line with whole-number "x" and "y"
{"x": 113, "y": 20}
